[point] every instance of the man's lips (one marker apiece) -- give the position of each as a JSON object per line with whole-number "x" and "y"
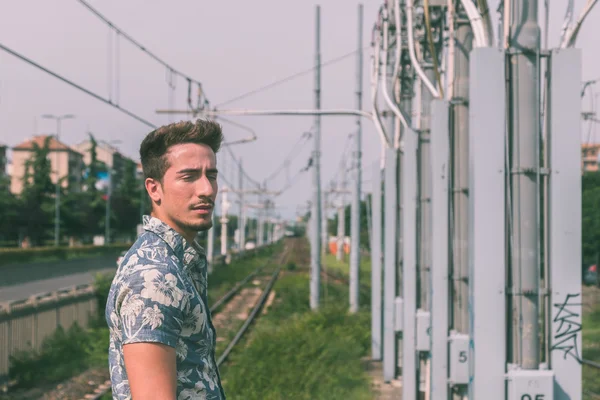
{"x": 203, "y": 208}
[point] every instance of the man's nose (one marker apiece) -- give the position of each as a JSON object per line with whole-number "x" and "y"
{"x": 204, "y": 187}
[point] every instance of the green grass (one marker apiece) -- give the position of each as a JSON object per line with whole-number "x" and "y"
{"x": 69, "y": 352}
{"x": 294, "y": 353}
{"x": 224, "y": 277}
{"x": 591, "y": 350}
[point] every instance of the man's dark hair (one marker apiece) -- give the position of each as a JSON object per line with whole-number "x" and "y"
{"x": 156, "y": 144}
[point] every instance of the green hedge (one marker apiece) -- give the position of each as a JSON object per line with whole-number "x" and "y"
{"x": 12, "y": 255}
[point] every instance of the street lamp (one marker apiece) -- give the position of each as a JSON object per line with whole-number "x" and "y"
{"x": 58, "y": 119}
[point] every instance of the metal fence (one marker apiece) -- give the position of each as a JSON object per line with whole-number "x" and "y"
{"x": 24, "y": 324}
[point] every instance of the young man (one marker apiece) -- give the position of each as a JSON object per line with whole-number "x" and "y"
{"x": 162, "y": 340}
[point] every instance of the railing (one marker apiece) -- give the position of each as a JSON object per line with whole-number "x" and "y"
{"x": 24, "y": 324}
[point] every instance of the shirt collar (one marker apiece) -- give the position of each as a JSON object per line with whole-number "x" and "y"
{"x": 188, "y": 253}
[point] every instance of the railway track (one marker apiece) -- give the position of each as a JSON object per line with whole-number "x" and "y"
{"x": 105, "y": 387}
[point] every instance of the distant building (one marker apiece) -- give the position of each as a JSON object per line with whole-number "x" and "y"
{"x": 589, "y": 157}
{"x": 109, "y": 156}
{"x": 65, "y": 162}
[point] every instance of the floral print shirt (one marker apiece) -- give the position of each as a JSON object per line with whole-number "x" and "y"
{"x": 159, "y": 295}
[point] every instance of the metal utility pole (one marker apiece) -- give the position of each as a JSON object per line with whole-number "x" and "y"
{"x": 341, "y": 223}
{"x": 210, "y": 251}
{"x": 460, "y": 183}
{"x": 315, "y": 262}
{"x": 107, "y": 216}
{"x": 58, "y": 120}
{"x": 325, "y": 223}
{"x": 390, "y": 221}
{"x": 357, "y": 167}
{"x": 409, "y": 259}
{"x": 224, "y": 221}
{"x": 242, "y": 214}
{"x": 376, "y": 267}
{"x": 424, "y": 188}
{"x": 524, "y": 139}
{"x": 259, "y": 222}
{"x": 459, "y": 164}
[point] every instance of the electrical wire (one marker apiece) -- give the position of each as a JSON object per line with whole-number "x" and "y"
{"x": 291, "y": 156}
{"x": 567, "y": 21}
{"x": 287, "y": 79}
{"x": 436, "y": 68}
{"x": 411, "y": 50}
{"x": 571, "y": 37}
{"x": 385, "y": 141}
{"x": 404, "y": 119}
{"x": 241, "y": 126}
{"x": 294, "y": 180}
{"x": 138, "y": 45}
{"x": 88, "y": 92}
{"x": 488, "y": 30}
{"x": 244, "y": 173}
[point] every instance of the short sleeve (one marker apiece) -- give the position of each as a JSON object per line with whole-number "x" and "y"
{"x": 151, "y": 305}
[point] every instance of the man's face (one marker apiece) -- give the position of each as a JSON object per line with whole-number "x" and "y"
{"x": 185, "y": 199}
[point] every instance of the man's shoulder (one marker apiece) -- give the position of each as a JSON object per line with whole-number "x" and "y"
{"x": 149, "y": 250}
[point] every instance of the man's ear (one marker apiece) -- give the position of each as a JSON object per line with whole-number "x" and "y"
{"x": 154, "y": 189}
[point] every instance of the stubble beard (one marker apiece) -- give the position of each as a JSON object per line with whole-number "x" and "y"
{"x": 200, "y": 226}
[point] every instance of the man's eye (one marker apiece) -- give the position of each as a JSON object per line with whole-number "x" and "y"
{"x": 212, "y": 177}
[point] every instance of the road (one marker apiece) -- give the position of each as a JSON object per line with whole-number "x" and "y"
{"x": 24, "y": 290}
{"x": 19, "y": 281}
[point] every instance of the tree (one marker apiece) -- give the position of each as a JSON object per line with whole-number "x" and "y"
{"x": 125, "y": 202}
{"x": 37, "y": 204}
{"x": 590, "y": 209}
{"x": 82, "y": 213}
{"x": 93, "y": 168}
{"x": 9, "y": 212}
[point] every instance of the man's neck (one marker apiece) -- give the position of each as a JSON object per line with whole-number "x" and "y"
{"x": 188, "y": 236}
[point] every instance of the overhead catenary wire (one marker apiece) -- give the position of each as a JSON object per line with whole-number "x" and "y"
{"x": 140, "y": 46}
{"x": 287, "y": 79}
{"x": 81, "y": 88}
{"x": 237, "y": 162}
{"x": 429, "y": 38}
{"x": 300, "y": 143}
{"x": 571, "y": 36}
{"x": 405, "y": 119}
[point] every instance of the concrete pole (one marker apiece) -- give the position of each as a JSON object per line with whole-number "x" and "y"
{"x": 424, "y": 188}
{"x": 357, "y": 168}
{"x": 211, "y": 244}
{"x": 325, "y": 223}
{"x": 406, "y": 103}
{"x": 242, "y": 213}
{"x": 409, "y": 259}
{"x": 390, "y": 232}
{"x": 459, "y": 159}
{"x": 524, "y": 133}
{"x": 258, "y": 241}
{"x": 341, "y": 225}
{"x": 107, "y": 213}
{"x": 376, "y": 267}
{"x": 260, "y": 222}
{"x": 315, "y": 259}
{"x": 390, "y": 259}
{"x": 460, "y": 184}
{"x": 224, "y": 221}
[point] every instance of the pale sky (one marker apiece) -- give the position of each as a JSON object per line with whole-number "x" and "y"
{"x": 230, "y": 46}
